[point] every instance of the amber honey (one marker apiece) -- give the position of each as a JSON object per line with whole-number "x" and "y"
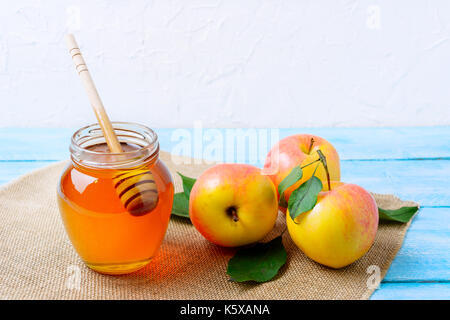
{"x": 108, "y": 237}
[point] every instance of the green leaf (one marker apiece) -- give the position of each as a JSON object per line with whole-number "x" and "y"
{"x": 188, "y": 183}
{"x": 304, "y": 198}
{"x": 181, "y": 199}
{"x": 404, "y": 214}
{"x": 259, "y": 263}
{"x": 180, "y": 205}
{"x": 293, "y": 176}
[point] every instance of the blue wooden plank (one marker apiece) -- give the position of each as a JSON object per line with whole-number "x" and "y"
{"x": 351, "y": 143}
{"x": 384, "y": 143}
{"x": 423, "y": 181}
{"x": 412, "y": 291}
{"x": 14, "y": 169}
{"x": 34, "y": 143}
{"x": 425, "y": 254}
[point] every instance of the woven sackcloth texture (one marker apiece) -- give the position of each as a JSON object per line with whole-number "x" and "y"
{"x": 37, "y": 260}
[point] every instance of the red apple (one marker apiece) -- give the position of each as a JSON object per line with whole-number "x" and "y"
{"x": 233, "y": 204}
{"x": 301, "y": 149}
{"x": 340, "y": 228}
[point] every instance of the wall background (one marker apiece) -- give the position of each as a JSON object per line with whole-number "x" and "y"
{"x": 228, "y": 63}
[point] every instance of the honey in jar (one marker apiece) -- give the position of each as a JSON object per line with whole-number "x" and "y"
{"x": 115, "y": 206}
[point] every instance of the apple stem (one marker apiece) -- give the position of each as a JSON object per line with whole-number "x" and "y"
{"x": 232, "y": 211}
{"x": 311, "y": 145}
{"x": 328, "y": 178}
{"x": 323, "y": 159}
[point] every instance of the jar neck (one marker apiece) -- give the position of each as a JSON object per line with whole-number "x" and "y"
{"x": 144, "y": 140}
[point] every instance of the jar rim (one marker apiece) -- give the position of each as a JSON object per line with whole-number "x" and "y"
{"x": 147, "y": 141}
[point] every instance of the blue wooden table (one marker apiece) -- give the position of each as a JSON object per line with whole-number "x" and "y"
{"x": 413, "y": 163}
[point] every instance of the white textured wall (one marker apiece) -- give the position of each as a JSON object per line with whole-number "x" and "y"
{"x": 229, "y": 63}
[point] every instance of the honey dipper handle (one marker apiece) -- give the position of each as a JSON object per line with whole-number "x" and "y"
{"x": 94, "y": 98}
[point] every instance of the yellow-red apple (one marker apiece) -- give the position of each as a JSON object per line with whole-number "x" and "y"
{"x": 233, "y": 204}
{"x": 301, "y": 149}
{"x": 340, "y": 228}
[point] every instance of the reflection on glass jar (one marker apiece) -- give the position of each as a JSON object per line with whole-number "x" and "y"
{"x": 115, "y": 206}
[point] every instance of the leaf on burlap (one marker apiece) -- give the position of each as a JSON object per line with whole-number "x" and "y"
{"x": 259, "y": 263}
{"x": 180, "y": 206}
{"x": 188, "y": 183}
{"x": 403, "y": 214}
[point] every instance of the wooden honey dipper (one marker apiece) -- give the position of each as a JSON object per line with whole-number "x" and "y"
{"x": 136, "y": 188}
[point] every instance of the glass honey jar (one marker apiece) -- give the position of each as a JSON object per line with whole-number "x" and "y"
{"x": 115, "y": 206}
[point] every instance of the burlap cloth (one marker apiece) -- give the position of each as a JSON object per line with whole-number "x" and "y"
{"x": 37, "y": 260}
